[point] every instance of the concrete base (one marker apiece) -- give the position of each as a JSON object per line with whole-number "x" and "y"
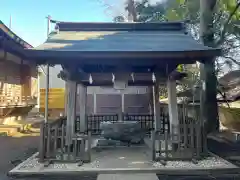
{"x": 138, "y": 176}
{"x": 121, "y": 161}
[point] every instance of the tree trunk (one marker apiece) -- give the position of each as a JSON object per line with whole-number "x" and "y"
{"x": 132, "y": 15}
{"x": 209, "y": 108}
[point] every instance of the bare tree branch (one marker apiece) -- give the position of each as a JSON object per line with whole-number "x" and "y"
{"x": 219, "y": 16}
{"x": 232, "y": 59}
{"x": 226, "y": 24}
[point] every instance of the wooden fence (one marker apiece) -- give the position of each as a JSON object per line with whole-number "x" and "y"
{"x": 182, "y": 142}
{"x": 53, "y": 145}
{"x": 93, "y": 121}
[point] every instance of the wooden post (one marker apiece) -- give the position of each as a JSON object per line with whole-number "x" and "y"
{"x": 47, "y": 94}
{"x": 82, "y": 105}
{"x": 66, "y": 99}
{"x": 156, "y": 107}
{"x": 71, "y": 110}
{"x": 89, "y": 147}
{"x": 173, "y": 111}
{"x": 42, "y": 142}
{"x": 153, "y": 148}
{"x": 39, "y": 92}
{"x": 47, "y": 77}
{"x": 157, "y": 123}
{"x": 123, "y": 102}
{"x": 94, "y": 103}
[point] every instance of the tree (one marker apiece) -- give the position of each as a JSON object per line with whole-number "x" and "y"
{"x": 226, "y": 32}
{"x": 146, "y": 12}
{"x": 119, "y": 19}
{"x": 223, "y": 32}
{"x": 209, "y": 107}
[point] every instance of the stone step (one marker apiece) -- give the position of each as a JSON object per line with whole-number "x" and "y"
{"x": 234, "y": 158}
{"x": 9, "y": 129}
{"x": 145, "y": 176}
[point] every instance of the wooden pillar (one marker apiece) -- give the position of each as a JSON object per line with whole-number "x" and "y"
{"x": 94, "y": 103}
{"x": 71, "y": 110}
{"x": 39, "y": 92}
{"x": 156, "y": 107}
{"x": 123, "y": 102}
{"x": 82, "y": 105}
{"x": 66, "y": 98}
{"x": 173, "y": 110}
{"x": 47, "y": 94}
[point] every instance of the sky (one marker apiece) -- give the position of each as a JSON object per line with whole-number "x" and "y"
{"x": 28, "y": 16}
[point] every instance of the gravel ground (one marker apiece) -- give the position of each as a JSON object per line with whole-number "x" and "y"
{"x": 21, "y": 148}
{"x": 112, "y": 159}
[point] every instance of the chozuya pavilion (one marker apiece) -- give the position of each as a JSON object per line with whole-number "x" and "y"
{"x": 119, "y": 55}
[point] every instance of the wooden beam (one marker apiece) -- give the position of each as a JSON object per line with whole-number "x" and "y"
{"x": 73, "y": 73}
{"x": 122, "y": 57}
{"x": 110, "y": 83}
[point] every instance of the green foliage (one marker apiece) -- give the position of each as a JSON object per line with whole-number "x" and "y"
{"x": 182, "y": 10}
{"x": 226, "y": 32}
{"x": 148, "y": 12}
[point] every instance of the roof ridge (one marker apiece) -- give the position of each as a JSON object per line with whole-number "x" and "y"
{"x": 111, "y": 26}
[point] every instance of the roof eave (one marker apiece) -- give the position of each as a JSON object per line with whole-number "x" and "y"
{"x": 105, "y": 56}
{"x": 11, "y": 35}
